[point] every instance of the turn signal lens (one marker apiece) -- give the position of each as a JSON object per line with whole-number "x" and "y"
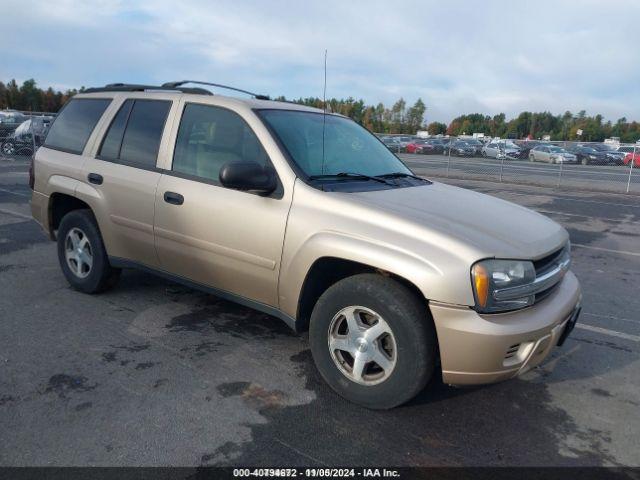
{"x": 481, "y": 280}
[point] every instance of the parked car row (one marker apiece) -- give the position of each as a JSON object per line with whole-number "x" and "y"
{"x": 532, "y": 150}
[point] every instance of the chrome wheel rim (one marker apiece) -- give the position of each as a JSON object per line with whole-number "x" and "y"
{"x": 362, "y": 345}
{"x": 78, "y": 253}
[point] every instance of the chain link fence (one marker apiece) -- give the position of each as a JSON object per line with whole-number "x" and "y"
{"x": 608, "y": 166}
{"x": 21, "y": 133}
{"x": 593, "y": 166}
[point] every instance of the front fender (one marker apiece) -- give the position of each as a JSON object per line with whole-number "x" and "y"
{"x": 421, "y": 272}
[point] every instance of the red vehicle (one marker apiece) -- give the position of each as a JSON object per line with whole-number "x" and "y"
{"x": 419, "y": 146}
{"x": 636, "y": 158}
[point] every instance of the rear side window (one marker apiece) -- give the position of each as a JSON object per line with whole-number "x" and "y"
{"x": 110, "y": 149}
{"x": 135, "y": 133}
{"x": 73, "y": 126}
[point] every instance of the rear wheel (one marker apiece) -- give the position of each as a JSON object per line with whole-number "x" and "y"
{"x": 8, "y": 148}
{"x": 82, "y": 255}
{"x": 373, "y": 341}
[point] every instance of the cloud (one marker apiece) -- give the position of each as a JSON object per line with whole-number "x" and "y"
{"x": 459, "y": 57}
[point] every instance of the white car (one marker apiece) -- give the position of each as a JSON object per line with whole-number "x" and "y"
{"x": 498, "y": 149}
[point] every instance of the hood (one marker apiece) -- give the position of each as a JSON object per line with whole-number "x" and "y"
{"x": 490, "y": 226}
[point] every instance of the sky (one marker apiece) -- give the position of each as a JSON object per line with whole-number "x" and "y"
{"x": 458, "y": 56}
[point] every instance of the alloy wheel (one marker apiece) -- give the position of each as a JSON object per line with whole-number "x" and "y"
{"x": 362, "y": 345}
{"x": 78, "y": 253}
{"x": 8, "y": 148}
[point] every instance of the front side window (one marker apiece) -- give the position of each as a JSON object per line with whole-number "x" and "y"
{"x": 134, "y": 135}
{"x": 330, "y": 144}
{"x": 209, "y": 137}
{"x": 73, "y": 126}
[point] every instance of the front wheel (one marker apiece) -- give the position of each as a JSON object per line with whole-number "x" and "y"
{"x": 373, "y": 341}
{"x": 585, "y": 161}
{"x": 82, "y": 255}
{"x": 532, "y": 158}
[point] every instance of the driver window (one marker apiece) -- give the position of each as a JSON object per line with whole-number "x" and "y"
{"x": 209, "y": 137}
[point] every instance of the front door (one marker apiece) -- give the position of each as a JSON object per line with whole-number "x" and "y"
{"x": 223, "y": 238}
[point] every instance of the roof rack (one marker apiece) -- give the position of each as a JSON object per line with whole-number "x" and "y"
{"x": 128, "y": 87}
{"x": 173, "y": 86}
{"x": 182, "y": 82}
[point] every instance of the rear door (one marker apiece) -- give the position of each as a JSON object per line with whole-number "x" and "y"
{"x": 226, "y": 239}
{"x": 123, "y": 174}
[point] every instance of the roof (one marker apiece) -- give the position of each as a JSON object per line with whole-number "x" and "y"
{"x": 258, "y": 102}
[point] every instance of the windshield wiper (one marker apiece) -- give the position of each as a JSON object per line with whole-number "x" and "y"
{"x": 348, "y": 175}
{"x": 402, "y": 175}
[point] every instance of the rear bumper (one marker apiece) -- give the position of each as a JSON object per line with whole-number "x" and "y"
{"x": 477, "y": 349}
{"x": 40, "y": 209}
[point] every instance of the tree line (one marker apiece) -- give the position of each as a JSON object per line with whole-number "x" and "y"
{"x": 536, "y": 125}
{"x": 400, "y": 118}
{"x": 29, "y": 97}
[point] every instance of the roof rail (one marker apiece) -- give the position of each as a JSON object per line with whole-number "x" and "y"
{"x": 181, "y": 82}
{"x": 128, "y": 87}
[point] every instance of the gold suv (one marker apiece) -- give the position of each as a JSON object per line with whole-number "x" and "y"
{"x": 308, "y": 217}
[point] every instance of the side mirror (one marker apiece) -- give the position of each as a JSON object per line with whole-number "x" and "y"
{"x": 248, "y": 177}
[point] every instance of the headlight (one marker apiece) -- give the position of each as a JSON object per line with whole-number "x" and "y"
{"x": 491, "y": 275}
{"x": 592, "y": 157}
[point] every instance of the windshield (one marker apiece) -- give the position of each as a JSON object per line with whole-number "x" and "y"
{"x": 348, "y": 147}
{"x": 556, "y": 150}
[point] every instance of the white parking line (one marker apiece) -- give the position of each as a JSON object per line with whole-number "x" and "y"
{"x": 14, "y": 193}
{"x": 611, "y": 317}
{"x": 606, "y": 331}
{"x": 16, "y": 214}
{"x": 602, "y": 249}
{"x": 551, "y": 212}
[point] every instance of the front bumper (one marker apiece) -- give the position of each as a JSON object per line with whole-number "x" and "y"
{"x": 477, "y": 349}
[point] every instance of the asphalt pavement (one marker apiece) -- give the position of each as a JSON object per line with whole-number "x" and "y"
{"x": 153, "y": 373}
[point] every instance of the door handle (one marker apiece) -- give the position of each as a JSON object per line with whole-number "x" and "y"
{"x": 95, "y": 178}
{"x": 173, "y": 198}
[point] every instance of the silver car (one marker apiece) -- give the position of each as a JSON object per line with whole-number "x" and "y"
{"x": 500, "y": 149}
{"x": 551, "y": 154}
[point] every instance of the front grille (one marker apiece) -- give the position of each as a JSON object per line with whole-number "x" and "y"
{"x": 547, "y": 263}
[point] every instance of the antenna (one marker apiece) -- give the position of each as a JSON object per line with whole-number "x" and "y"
{"x": 324, "y": 106}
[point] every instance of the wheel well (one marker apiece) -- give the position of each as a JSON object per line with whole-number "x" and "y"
{"x": 59, "y": 205}
{"x": 325, "y": 272}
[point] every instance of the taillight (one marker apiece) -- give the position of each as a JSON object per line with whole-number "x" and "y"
{"x": 32, "y": 177}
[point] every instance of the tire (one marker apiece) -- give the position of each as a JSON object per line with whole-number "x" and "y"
{"x": 79, "y": 228}
{"x": 410, "y": 347}
{"x": 484, "y": 154}
{"x": 585, "y": 161}
{"x": 532, "y": 158}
